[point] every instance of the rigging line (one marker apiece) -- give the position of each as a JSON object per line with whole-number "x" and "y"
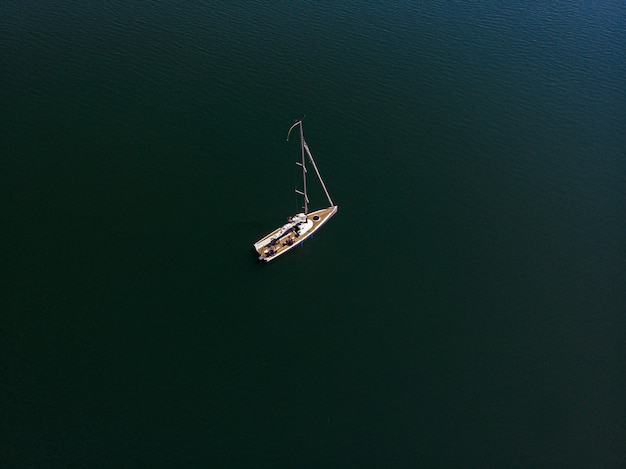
{"x": 290, "y": 128}
{"x": 306, "y": 199}
{"x": 306, "y": 147}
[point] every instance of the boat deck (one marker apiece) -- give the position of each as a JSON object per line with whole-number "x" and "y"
{"x": 268, "y": 252}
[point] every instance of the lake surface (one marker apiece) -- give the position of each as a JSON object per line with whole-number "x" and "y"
{"x": 464, "y": 308}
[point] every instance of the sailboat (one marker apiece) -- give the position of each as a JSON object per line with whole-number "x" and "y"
{"x": 302, "y": 225}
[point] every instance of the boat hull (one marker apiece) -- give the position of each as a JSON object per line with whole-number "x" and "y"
{"x": 279, "y": 241}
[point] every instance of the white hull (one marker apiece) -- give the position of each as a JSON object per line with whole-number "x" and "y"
{"x": 294, "y": 232}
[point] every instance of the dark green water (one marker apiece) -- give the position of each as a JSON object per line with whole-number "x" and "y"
{"x": 464, "y": 308}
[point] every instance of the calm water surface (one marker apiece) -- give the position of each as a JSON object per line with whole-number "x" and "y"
{"x": 464, "y": 308}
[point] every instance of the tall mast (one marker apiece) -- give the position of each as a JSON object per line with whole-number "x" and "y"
{"x": 306, "y": 198}
{"x": 303, "y": 164}
{"x": 319, "y": 176}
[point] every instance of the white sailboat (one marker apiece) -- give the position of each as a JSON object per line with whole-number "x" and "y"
{"x": 302, "y": 225}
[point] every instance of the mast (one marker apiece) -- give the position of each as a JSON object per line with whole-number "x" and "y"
{"x": 306, "y": 198}
{"x": 319, "y": 176}
{"x": 303, "y": 164}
